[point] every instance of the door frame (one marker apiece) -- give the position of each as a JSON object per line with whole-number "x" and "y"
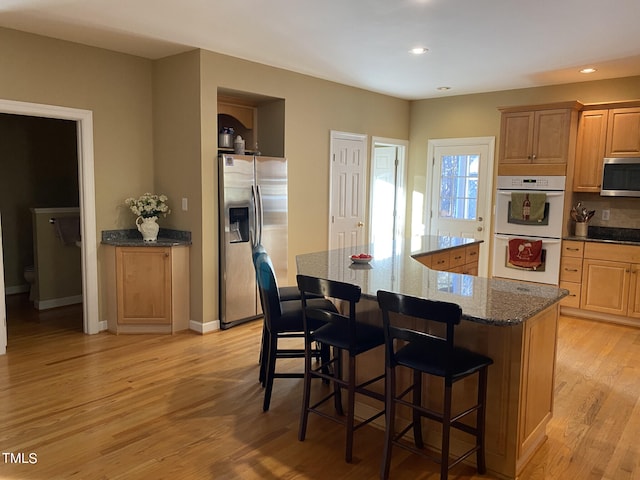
{"x": 86, "y": 183}
{"x": 490, "y": 142}
{"x": 401, "y": 180}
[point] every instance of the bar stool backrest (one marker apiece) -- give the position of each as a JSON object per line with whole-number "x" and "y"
{"x": 422, "y": 312}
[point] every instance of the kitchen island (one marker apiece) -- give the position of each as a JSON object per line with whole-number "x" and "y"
{"x": 513, "y": 323}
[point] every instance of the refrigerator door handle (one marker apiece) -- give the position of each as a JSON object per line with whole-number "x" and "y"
{"x": 253, "y": 229}
{"x": 260, "y": 222}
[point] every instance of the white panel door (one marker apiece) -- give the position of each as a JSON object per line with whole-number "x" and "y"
{"x": 347, "y": 190}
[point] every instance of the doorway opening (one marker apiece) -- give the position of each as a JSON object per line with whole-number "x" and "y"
{"x": 387, "y": 201}
{"x": 84, "y": 128}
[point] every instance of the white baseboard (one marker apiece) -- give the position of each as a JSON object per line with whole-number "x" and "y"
{"x": 16, "y": 289}
{"x": 103, "y": 326}
{"x": 57, "y": 302}
{"x": 203, "y": 328}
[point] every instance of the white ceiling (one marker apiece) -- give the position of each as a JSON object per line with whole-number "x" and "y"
{"x": 474, "y": 45}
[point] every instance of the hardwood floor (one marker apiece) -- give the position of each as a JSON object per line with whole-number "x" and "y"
{"x": 190, "y": 407}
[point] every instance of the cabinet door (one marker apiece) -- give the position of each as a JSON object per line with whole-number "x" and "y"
{"x": 592, "y": 132}
{"x": 551, "y": 136}
{"x": 623, "y": 132}
{"x": 634, "y": 291}
{"x": 516, "y": 137}
{"x": 605, "y": 286}
{"x": 143, "y": 276}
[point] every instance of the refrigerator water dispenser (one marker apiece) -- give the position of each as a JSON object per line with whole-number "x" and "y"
{"x": 238, "y": 224}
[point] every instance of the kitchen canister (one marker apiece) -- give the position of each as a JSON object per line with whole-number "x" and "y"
{"x": 581, "y": 229}
{"x": 238, "y": 146}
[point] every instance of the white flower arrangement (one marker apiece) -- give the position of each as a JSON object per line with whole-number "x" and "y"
{"x": 149, "y": 205}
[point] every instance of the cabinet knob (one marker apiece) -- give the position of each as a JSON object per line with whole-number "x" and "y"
{"x": 533, "y": 156}
{"x": 166, "y": 254}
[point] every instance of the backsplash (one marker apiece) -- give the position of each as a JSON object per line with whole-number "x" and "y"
{"x": 623, "y": 212}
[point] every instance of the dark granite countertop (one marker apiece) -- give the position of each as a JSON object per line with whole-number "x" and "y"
{"x": 483, "y": 300}
{"x": 616, "y": 235}
{"x": 132, "y": 238}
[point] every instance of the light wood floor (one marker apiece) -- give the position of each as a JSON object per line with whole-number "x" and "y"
{"x": 189, "y": 407}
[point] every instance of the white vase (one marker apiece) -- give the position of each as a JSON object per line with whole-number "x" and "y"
{"x": 148, "y": 227}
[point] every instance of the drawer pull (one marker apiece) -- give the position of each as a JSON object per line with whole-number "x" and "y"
{"x": 573, "y": 295}
{"x": 471, "y": 254}
{"x": 439, "y": 262}
{"x": 570, "y": 269}
{"x": 572, "y": 249}
{"x": 457, "y": 258}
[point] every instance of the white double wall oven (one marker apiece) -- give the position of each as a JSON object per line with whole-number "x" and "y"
{"x": 528, "y": 228}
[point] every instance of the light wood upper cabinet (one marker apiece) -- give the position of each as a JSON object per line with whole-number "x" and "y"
{"x": 590, "y": 150}
{"x": 537, "y": 135}
{"x": 623, "y": 132}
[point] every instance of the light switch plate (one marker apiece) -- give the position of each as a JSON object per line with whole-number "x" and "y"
{"x": 185, "y": 204}
{"x": 605, "y": 214}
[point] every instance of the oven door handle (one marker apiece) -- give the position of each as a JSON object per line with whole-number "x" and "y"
{"x": 544, "y": 240}
{"x": 549, "y": 194}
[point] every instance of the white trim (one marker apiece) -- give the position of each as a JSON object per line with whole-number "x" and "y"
{"x": 203, "y": 328}
{"x": 16, "y": 289}
{"x": 86, "y": 182}
{"x": 58, "y": 302}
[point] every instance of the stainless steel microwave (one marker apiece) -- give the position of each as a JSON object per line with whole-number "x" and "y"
{"x": 621, "y": 177}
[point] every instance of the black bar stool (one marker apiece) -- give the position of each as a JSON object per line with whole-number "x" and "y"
{"x": 282, "y": 319}
{"x": 343, "y": 333}
{"x": 425, "y": 352}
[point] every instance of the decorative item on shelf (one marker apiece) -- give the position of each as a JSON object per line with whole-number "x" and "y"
{"x": 148, "y": 207}
{"x": 225, "y": 137}
{"x": 238, "y": 146}
{"x": 581, "y": 216}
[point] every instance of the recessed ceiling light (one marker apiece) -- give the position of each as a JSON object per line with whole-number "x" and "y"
{"x": 443, "y": 89}
{"x": 418, "y": 50}
{"x": 588, "y": 70}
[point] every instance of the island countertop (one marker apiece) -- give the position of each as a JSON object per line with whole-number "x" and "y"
{"x": 483, "y": 300}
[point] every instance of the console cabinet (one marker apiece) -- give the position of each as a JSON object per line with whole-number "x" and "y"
{"x": 148, "y": 289}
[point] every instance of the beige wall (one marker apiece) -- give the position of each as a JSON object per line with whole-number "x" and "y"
{"x": 478, "y": 115}
{"x": 313, "y": 107}
{"x": 117, "y": 88}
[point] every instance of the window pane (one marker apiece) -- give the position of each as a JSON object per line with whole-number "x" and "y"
{"x": 459, "y": 186}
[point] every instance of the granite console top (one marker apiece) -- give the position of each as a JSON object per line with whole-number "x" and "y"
{"x": 484, "y": 300}
{"x": 133, "y": 238}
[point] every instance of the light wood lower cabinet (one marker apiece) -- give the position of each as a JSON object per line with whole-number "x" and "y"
{"x": 602, "y": 280}
{"x": 457, "y": 260}
{"x": 147, "y": 289}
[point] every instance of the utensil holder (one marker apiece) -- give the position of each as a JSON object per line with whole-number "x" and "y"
{"x": 581, "y": 229}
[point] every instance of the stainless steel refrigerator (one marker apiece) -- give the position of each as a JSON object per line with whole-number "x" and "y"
{"x": 253, "y": 209}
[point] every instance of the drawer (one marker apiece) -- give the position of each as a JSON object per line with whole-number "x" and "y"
{"x": 457, "y": 257}
{"x": 571, "y": 269}
{"x": 573, "y": 299}
{"x": 472, "y": 253}
{"x": 470, "y": 269}
{"x": 612, "y": 252}
{"x": 425, "y": 260}
{"x": 440, "y": 261}
{"x": 572, "y": 248}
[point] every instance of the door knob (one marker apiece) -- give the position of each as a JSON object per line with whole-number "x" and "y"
{"x": 361, "y": 224}
{"x": 480, "y": 219}
{"x": 479, "y": 229}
